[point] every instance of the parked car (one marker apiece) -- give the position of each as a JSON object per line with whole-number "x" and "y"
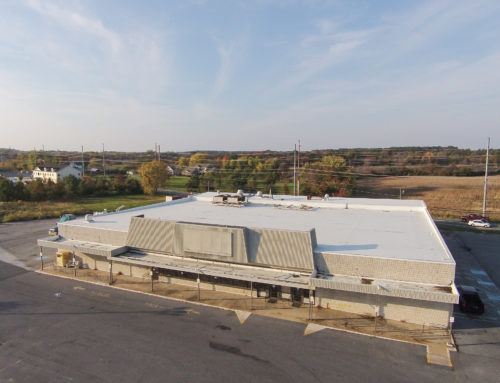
{"x": 54, "y": 230}
{"x": 472, "y": 217}
{"x": 479, "y": 223}
{"x": 470, "y": 301}
{"x": 67, "y": 217}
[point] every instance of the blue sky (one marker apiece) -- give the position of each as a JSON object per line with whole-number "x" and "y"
{"x": 248, "y": 75}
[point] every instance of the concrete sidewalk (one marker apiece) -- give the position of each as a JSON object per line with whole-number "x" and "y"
{"x": 437, "y": 341}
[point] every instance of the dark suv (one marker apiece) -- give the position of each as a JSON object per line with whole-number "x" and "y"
{"x": 470, "y": 301}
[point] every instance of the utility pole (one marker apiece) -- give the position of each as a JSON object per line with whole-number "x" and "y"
{"x": 298, "y": 171}
{"x": 486, "y": 178}
{"x": 159, "y": 158}
{"x": 103, "y": 164}
{"x": 83, "y": 164}
{"x": 294, "y": 171}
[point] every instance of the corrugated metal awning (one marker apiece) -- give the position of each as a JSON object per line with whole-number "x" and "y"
{"x": 387, "y": 288}
{"x": 217, "y": 269}
{"x": 91, "y": 248}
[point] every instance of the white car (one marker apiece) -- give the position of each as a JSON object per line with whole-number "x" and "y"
{"x": 479, "y": 223}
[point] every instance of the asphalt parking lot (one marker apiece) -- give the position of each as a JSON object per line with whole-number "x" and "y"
{"x": 63, "y": 330}
{"x": 477, "y": 255}
{"x": 18, "y": 241}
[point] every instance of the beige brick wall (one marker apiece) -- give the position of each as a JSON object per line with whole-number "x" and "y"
{"x": 399, "y": 309}
{"x": 93, "y": 234}
{"x": 92, "y": 262}
{"x": 384, "y": 268}
{"x": 420, "y": 312}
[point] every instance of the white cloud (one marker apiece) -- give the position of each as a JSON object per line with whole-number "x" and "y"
{"x": 225, "y": 53}
{"x": 77, "y": 20}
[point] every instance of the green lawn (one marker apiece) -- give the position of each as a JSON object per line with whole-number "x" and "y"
{"x": 177, "y": 183}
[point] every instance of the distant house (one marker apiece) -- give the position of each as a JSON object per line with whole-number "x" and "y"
{"x": 190, "y": 170}
{"x": 173, "y": 170}
{"x": 55, "y": 174}
{"x": 76, "y": 165}
{"x": 209, "y": 168}
{"x": 130, "y": 172}
{"x": 198, "y": 168}
{"x": 15, "y": 177}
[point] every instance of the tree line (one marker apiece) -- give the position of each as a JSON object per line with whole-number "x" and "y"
{"x": 332, "y": 171}
{"x": 330, "y": 174}
{"x": 67, "y": 189}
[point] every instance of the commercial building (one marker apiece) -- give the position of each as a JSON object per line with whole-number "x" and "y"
{"x": 364, "y": 256}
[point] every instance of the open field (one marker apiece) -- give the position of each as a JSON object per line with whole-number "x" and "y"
{"x": 447, "y": 197}
{"x": 23, "y": 210}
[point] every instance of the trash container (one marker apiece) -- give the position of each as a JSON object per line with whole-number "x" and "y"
{"x": 63, "y": 258}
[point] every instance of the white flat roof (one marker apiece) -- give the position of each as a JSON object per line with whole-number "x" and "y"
{"x": 398, "y": 229}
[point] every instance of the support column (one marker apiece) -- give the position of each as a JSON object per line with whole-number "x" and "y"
{"x": 198, "y": 283}
{"x": 152, "y": 273}
{"x": 110, "y": 272}
{"x": 251, "y": 295}
{"x": 311, "y": 303}
{"x": 41, "y": 256}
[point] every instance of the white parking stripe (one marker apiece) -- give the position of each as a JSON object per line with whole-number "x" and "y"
{"x": 478, "y": 272}
{"x": 485, "y": 283}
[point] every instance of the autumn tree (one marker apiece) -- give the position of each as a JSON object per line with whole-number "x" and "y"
{"x": 330, "y": 175}
{"x": 183, "y": 162}
{"x": 94, "y": 162}
{"x": 198, "y": 158}
{"x": 153, "y": 175}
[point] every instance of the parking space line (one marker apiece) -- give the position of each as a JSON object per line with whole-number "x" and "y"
{"x": 478, "y": 272}
{"x": 493, "y": 297}
{"x": 485, "y": 283}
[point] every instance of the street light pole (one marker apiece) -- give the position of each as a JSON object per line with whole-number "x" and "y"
{"x": 295, "y": 170}
{"x": 486, "y": 178}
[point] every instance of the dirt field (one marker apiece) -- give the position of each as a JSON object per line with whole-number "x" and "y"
{"x": 448, "y": 197}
